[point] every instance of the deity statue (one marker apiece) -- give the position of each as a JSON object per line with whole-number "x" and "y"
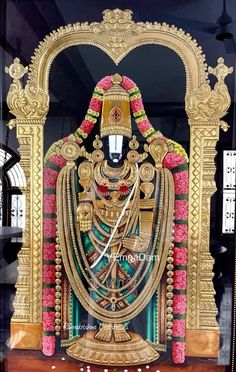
{"x": 120, "y": 219}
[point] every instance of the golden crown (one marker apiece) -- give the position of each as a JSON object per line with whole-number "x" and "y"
{"x": 116, "y": 115}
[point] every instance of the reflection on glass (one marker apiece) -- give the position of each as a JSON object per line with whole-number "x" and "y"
{"x": 18, "y": 211}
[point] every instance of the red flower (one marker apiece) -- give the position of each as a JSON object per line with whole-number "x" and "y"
{"x": 49, "y": 178}
{"x": 49, "y": 251}
{"x": 178, "y": 352}
{"x": 103, "y": 189}
{"x": 179, "y": 305}
{"x": 172, "y": 160}
{"x": 95, "y": 104}
{"x": 48, "y": 297}
{"x": 144, "y": 125}
{"x": 58, "y": 160}
{"x": 180, "y": 233}
{"x": 180, "y": 256}
{"x": 105, "y": 83}
{"x": 49, "y": 227}
{"x": 48, "y": 320}
{"x": 179, "y": 328}
{"x": 181, "y": 182}
{"x": 180, "y": 279}
{"x": 181, "y": 209}
{"x": 86, "y": 126}
{"x": 127, "y": 83}
{"x": 137, "y": 105}
{"x": 49, "y": 203}
{"x": 124, "y": 190}
{"x": 49, "y": 274}
{"x": 48, "y": 345}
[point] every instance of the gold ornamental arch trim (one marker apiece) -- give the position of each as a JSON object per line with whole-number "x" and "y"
{"x": 117, "y": 35}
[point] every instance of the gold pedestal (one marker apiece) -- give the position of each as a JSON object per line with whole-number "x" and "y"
{"x": 26, "y": 336}
{"x": 134, "y": 352}
{"x": 203, "y": 343}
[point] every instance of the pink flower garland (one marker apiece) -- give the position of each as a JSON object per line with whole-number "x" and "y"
{"x": 49, "y": 232}
{"x": 49, "y": 203}
{"x": 95, "y": 105}
{"x": 180, "y": 256}
{"x": 137, "y": 106}
{"x": 48, "y": 343}
{"x": 179, "y": 327}
{"x": 181, "y": 209}
{"x": 180, "y": 233}
{"x": 181, "y": 182}
{"x": 172, "y": 161}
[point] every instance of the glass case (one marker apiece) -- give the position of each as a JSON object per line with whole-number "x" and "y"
{"x": 160, "y": 75}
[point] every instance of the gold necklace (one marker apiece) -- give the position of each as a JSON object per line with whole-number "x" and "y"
{"x": 96, "y": 280}
{"x": 132, "y": 279}
{"x": 129, "y": 284}
{"x": 96, "y": 242}
{"x": 117, "y": 173}
{"x": 90, "y": 305}
{"x": 104, "y": 232}
{"x": 129, "y": 178}
{"x": 114, "y": 202}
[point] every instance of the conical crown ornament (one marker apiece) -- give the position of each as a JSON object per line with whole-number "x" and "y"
{"x": 116, "y": 115}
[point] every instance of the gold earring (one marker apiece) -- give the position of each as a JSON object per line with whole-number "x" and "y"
{"x": 133, "y": 156}
{"x": 133, "y": 143}
{"x": 97, "y": 155}
{"x": 97, "y": 143}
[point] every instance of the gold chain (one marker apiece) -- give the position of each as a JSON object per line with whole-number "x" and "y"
{"x": 91, "y": 272}
{"x": 102, "y": 218}
{"x": 149, "y": 288}
{"x": 147, "y": 267}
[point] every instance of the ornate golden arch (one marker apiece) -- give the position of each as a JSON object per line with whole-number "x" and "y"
{"x": 117, "y": 35}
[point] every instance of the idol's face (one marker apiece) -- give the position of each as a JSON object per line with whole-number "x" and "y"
{"x": 115, "y": 148}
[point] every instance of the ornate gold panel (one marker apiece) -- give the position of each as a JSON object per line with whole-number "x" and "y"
{"x": 117, "y": 35}
{"x": 201, "y": 305}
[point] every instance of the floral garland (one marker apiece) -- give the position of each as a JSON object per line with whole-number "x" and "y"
{"x": 179, "y": 168}
{"x": 176, "y": 161}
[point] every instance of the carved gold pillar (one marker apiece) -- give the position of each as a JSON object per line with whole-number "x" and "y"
{"x": 202, "y": 310}
{"x": 30, "y": 106}
{"x": 205, "y": 107}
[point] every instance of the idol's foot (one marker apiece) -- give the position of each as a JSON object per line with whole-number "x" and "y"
{"x": 120, "y": 334}
{"x": 130, "y": 353}
{"x": 104, "y": 333}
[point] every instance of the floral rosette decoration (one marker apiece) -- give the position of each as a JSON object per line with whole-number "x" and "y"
{"x": 176, "y": 161}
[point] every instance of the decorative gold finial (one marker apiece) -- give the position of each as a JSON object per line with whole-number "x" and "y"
{"x": 16, "y": 70}
{"x": 25, "y": 102}
{"x": 117, "y": 15}
{"x": 116, "y": 79}
{"x": 224, "y": 126}
{"x": 221, "y": 70}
